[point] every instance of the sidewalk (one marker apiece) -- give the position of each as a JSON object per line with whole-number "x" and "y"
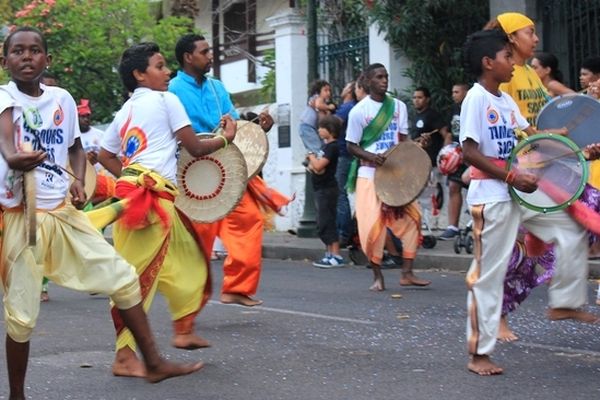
{"x": 285, "y": 246}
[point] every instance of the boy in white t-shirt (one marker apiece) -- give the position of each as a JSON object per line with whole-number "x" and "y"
{"x": 140, "y": 147}
{"x": 69, "y": 250}
{"x": 489, "y": 119}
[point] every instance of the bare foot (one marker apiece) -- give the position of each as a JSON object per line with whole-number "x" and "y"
{"x": 483, "y": 366}
{"x": 410, "y": 279}
{"x": 128, "y": 364}
{"x": 236, "y": 298}
{"x": 189, "y": 341}
{"x": 505, "y": 334}
{"x": 556, "y": 314}
{"x": 377, "y": 285}
{"x": 44, "y": 297}
{"x": 166, "y": 370}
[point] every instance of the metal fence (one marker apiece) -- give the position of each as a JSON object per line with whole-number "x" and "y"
{"x": 571, "y": 31}
{"x": 341, "y": 62}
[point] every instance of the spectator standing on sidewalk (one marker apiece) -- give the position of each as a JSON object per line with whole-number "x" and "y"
{"x": 430, "y": 129}
{"x": 455, "y": 183}
{"x": 326, "y": 190}
{"x": 344, "y": 214}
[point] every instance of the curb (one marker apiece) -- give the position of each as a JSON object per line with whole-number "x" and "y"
{"x": 425, "y": 259}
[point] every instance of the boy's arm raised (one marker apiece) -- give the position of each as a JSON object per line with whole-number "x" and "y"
{"x": 23, "y": 161}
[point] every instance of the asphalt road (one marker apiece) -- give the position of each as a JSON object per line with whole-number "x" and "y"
{"x": 320, "y": 335}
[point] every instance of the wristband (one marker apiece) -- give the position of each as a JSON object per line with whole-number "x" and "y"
{"x": 224, "y": 140}
{"x": 510, "y": 177}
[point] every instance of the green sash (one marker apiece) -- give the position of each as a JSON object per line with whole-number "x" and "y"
{"x": 372, "y": 133}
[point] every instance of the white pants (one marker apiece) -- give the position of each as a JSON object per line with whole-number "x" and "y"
{"x": 495, "y": 228}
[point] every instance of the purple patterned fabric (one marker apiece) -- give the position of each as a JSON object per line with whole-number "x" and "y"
{"x": 591, "y": 198}
{"x": 522, "y": 275}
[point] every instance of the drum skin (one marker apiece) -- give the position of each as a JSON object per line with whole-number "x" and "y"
{"x": 403, "y": 175}
{"x": 560, "y": 169}
{"x": 254, "y": 145}
{"x": 579, "y": 113}
{"x": 211, "y": 186}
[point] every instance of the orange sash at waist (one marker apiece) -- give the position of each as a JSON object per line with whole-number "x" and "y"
{"x": 479, "y": 174}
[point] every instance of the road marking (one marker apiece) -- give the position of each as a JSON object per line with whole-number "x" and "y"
{"x": 559, "y": 349}
{"x": 301, "y": 313}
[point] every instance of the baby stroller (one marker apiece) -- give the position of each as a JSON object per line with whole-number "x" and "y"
{"x": 464, "y": 239}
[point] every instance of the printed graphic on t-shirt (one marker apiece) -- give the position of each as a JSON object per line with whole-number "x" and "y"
{"x": 134, "y": 141}
{"x": 386, "y": 140}
{"x": 45, "y": 139}
{"x": 501, "y": 132}
{"x": 535, "y": 99}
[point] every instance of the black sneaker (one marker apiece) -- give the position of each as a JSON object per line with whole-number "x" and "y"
{"x": 448, "y": 234}
{"x": 391, "y": 262}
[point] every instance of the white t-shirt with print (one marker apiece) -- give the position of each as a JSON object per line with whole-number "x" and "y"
{"x": 362, "y": 114}
{"x": 143, "y": 131}
{"x": 51, "y": 124}
{"x": 490, "y": 121}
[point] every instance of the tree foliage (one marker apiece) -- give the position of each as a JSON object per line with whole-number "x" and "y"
{"x": 430, "y": 33}
{"x": 87, "y": 37}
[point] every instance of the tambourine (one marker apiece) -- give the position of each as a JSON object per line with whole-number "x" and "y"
{"x": 90, "y": 179}
{"x": 579, "y": 113}
{"x": 252, "y": 142}
{"x": 403, "y": 175}
{"x": 211, "y": 186}
{"x": 559, "y": 166}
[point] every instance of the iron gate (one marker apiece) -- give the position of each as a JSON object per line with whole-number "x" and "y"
{"x": 571, "y": 31}
{"x": 342, "y": 62}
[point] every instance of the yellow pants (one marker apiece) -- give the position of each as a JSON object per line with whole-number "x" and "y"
{"x": 71, "y": 253}
{"x": 167, "y": 260}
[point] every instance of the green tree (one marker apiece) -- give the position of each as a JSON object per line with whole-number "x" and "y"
{"x": 87, "y": 37}
{"x": 430, "y": 33}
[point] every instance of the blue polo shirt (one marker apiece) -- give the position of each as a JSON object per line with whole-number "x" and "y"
{"x": 204, "y": 103}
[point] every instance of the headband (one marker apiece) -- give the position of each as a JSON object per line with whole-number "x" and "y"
{"x": 512, "y": 22}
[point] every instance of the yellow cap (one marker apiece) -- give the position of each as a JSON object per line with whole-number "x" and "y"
{"x": 512, "y": 22}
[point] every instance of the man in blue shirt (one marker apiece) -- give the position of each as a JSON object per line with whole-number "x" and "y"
{"x": 206, "y": 102}
{"x": 204, "y": 98}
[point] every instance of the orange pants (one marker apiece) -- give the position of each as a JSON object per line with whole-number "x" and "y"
{"x": 241, "y": 232}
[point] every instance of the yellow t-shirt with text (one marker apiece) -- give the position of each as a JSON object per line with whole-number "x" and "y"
{"x": 528, "y": 91}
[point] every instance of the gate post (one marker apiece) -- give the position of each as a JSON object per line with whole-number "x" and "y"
{"x": 291, "y": 94}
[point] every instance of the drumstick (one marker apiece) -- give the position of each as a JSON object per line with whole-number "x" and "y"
{"x": 45, "y": 150}
{"x": 546, "y": 161}
{"x": 29, "y": 200}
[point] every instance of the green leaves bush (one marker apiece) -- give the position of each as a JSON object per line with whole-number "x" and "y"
{"x": 87, "y": 37}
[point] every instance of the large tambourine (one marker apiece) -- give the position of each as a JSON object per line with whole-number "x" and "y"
{"x": 90, "y": 179}
{"x": 403, "y": 175}
{"x": 559, "y": 166}
{"x": 211, "y": 186}
{"x": 252, "y": 142}
{"x": 579, "y": 113}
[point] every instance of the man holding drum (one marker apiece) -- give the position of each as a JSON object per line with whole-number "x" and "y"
{"x": 206, "y": 102}
{"x": 375, "y": 125}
